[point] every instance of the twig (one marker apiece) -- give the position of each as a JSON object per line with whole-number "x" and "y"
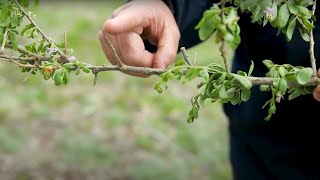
{"x": 223, "y": 43}
{"x": 96, "y": 73}
{"x": 65, "y": 44}
{"x": 195, "y": 57}
{"x": 24, "y": 59}
{"x": 29, "y": 74}
{"x": 152, "y": 71}
{"x": 95, "y": 79}
{"x": 21, "y": 50}
{"x": 114, "y": 52}
{"x": 38, "y": 28}
{"x": 185, "y": 56}
{"x": 4, "y": 41}
{"x": 311, "y": 51}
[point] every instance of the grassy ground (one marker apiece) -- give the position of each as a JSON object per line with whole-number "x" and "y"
{"x": 119, "y": 129}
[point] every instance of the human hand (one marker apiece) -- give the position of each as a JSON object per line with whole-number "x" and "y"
{"x": 316, "y": 91}
{"x": 141, "y": 20}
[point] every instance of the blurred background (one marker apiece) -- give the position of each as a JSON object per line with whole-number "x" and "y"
{"x": 119, "y": 129}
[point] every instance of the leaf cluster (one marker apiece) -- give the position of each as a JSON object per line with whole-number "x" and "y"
{"x": 288, "y": 79}
{"x": 284, "y": 15}
{"x": 216, "y": 84}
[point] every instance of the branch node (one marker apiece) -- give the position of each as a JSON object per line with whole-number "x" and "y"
{"x": 96, "y": 72}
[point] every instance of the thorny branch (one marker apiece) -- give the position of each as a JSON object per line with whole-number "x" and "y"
{"x": 33, "y": 60}
{"x": 141, "y": 70}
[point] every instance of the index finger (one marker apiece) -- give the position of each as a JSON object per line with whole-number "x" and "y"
{"x": 167, "y": 48}
{"x": 126, "y": 20}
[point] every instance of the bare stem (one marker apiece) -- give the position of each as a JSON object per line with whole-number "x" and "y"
{"x": 185, "y": 56}
{"x": 114, "y": 52}
{"x": 65, "y": 44}
{"x": 223, "y": 43}
{"x": 4, "y": 41}
{"x": 311, "y": 51}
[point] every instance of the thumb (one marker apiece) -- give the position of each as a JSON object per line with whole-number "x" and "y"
{"x": 126, "y": 21}
{"x": 167, "y": 48}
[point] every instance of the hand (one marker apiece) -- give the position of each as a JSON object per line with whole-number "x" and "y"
{"x": 141, "y": 20}
{"x": 316, "y": 92}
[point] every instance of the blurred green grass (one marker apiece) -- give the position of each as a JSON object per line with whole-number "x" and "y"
{"x": 119, "y": 129}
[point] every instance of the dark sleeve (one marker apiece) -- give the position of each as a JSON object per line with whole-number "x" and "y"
{"x": 187, "y": 14}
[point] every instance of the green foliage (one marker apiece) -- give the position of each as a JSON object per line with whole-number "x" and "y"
{"x": 224, "y": 29}
{"x": 287, "y": 79}
{"x": 220, "y": 85}
{"x": 281, "y": 14}
{"x": 217, "y": 84}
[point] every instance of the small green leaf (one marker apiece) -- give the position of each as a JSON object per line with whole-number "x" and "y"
{"x": 283, "y": 16}
{"x": 304, "y": 34}
{"x": 291, "y": 28}
{"x": 282, "y": 71}
{"x": 236, "y": 100}
{"x": 268, "y": 63}
{"x": 264, "y": 88}
{"x": 68, "y": 65}
{"x": 304, "y": 11}
{"x": 15, "y": 22}
{"x": 78, "y": 71}
{"x": 13, "y": 39}
{"x": 292, "y": 7}
{"x": 251, "y": 68}
{"x": 304, "y": 75}
{"x": 84, "y": 68}
{"x": 206, "y": 26}
{"x": 5, "y": 11}
{"x": 65, "y": 77}
{"x": 158, "y": 88}
{"x": 221, "y": 79}
{"x": 58, "y": 77}
{"x": 223, "y": 92}
{"x": 192, "y": 73}
{"x": 283, "y": 85}
{"x": 296, "y": 93}
{"x": 244, "y": 81}
{"x": 307, "y": 23}
{"x": 205, "y": 75}
{"x": 180, "y": 62}
{"x": 245, "y": 95}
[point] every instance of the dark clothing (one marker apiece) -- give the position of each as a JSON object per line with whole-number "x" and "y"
{"x": 287, "y": 146}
